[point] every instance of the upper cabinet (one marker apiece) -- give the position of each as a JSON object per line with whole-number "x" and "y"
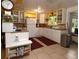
{"x": 18, "y": 16}
{"x": 13, "y": 16}
{"x": 61, "y": 15}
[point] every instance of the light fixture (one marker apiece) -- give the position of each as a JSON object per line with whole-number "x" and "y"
{"x": 7, "y": 12}
{"x": 38, "y": 10}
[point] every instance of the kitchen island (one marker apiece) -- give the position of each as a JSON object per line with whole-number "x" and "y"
{"x": 15, "y": 41}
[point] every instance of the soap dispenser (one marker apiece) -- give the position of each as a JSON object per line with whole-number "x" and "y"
{"x": 14, "y": 28}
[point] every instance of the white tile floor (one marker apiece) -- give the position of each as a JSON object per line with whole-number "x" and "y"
{"x": 54, "y": 52}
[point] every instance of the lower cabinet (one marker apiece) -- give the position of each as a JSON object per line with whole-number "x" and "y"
{"x": 52, "y": 34}
{"x": 14, "y": 52}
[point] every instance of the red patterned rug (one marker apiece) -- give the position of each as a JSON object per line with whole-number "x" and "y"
{"x": 35, "y": 44}
{"x": 46, "y": 41}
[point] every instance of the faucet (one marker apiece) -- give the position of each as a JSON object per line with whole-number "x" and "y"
{"x": 16, "y": 38}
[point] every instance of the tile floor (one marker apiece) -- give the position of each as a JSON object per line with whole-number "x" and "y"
{"x": 53, "y": 52}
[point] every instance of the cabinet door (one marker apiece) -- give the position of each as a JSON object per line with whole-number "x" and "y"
{"x": 41, "y": 30}
{"x": 64, "y": 15}
{"x": 15, "y": 15}
{"x": 42, "y": 18}
{"x": 61, "y": 15}
{"x": 18, "y": 16}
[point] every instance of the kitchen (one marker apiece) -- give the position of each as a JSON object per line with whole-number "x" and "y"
{"x": 34, "y": 19}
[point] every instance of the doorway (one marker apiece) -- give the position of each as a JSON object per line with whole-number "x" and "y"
{"x": 73, "y": 26}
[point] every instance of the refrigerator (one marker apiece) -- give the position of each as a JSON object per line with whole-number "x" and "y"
{"x": 31, "y": 27}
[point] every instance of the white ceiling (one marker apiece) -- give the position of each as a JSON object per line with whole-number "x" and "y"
{"x": 48, "y": 4}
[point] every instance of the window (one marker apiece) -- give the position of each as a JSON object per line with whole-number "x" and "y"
{"x": 74, "y": 24}
{"x": 52, "y": 21}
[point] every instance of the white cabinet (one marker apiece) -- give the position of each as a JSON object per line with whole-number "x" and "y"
{"x": 52, "y": 34}
{"x": 47, "y": 33}
{"x": 57, "y": 35}
{"x": 18, "y": 16}
{"x": 31, "y": 27}
{"x": 61, "y": 15}
{"x": 33, "y": 32}
{"x": 40, "y": 31}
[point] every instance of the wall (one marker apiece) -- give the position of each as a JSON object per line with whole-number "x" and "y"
{"x": 68, "y": 17}
{"x": 42, "y": 18}
{"x": 71, "y": 9}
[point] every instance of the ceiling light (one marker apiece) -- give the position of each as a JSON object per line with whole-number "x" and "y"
{"x": 38, "y": 10}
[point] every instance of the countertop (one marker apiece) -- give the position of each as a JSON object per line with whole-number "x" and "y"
{"x": 18, "y": 31}
{"x": 53, "y": 28}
